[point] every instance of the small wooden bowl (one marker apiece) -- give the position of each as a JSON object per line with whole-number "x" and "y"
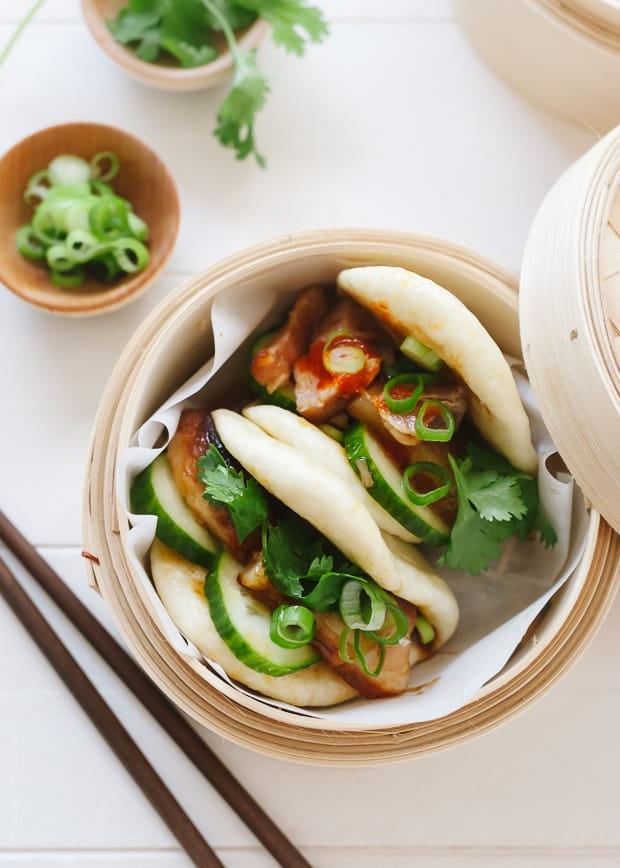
{"x": 162, "y": 75}
{"x": 142, "y": 179}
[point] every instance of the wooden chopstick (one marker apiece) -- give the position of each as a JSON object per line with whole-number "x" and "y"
{"x": 107, "y": 723}
{"x": 274, "y": 840}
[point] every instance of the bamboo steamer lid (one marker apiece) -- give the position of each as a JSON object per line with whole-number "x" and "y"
{"x": 570, "y": 320}
{"x": 563, "y": 55}
{"x": 168, "y": 347}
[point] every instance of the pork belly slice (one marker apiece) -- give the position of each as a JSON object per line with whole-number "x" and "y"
{"x": 321, "y": 394}
{"x": 402, "y": 425}
{"x": 195, "y": 433}
{"x": 272, "y": 366}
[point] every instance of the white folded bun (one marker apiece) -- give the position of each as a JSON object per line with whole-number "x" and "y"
{"x": 413, "y": 305}
{"x": 179, "y": 584}
{"x": 334, "y": 508}
{"x": 290, "y": 428}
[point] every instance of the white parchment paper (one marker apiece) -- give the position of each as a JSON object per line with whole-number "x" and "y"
{"x": 496, "y": 608}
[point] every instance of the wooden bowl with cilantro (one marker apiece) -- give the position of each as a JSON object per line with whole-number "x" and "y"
{"x": 170, "y": 51}
{"x": 194, "y": 44}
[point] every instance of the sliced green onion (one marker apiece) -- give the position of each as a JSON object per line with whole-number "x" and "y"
{"x": 68, "y": 169}
{"x": 362, "y": 657}
{"x": 396, "y": 618}
{"x": 108, "y": 218}
{"x": 28, "y": 244}
{"x": 333, "y": 432}
{"x": 292, "y": 626}
{"x": 426, "y": 468}
{"x": 113, "y": 166}
{"x": 421, "y": 354}
{"x": 68, "y": 279}
{"x": 403, "y": 405}
{"x": 59, "y": 258}
{"x": 361, "y": 607}
{"x": 359, "y": 656}
{"x": 130, "y": 254}
{"x": 438, "y": 410}
{"x": 341, "y": 357}
{"x": 83, "y": 246}
{"x": 48, "y": 222}
{"x": 138, "y": 227}
{"x": 343, "y": 646}
{"x": 69, "y": 191}
{"x": 35, "y": 188}
{"x": 77, "y": 213}
{"x": 102, "y": 189}
{"x": 105, "y": 267}
{"x": 425, "y": 629}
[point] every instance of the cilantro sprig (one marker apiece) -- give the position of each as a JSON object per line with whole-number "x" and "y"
{"x": 303, "y": 565}
{"x": 495, "y": 501}
{"x": 225, "y": 486}
{"x": 185, "y": 29}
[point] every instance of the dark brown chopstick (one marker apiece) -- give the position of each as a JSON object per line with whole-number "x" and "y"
{"x": 107, "y": 723}
{"x": 274, "y": 840}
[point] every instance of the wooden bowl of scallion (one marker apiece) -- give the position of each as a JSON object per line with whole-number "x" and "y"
{"x": 88, "y": 218}
{"x": 170, "y": 48}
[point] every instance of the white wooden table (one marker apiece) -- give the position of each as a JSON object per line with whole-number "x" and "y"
{"x": 392, "y": 123}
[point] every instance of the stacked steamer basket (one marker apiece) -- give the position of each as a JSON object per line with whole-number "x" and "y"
{"x": 564, "y": 55}
{"x": 175, "y": 341}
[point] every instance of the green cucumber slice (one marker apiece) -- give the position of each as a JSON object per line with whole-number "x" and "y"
{"x": 388, "y": 490}
{"x": 284, "y": 397}
{"x": 243, "y": 623}
{"x": 154, "y": 492}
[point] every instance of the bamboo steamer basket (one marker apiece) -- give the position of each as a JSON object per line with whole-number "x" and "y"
{"x": 563, "y": 55}
{"x": 176, "y": 339}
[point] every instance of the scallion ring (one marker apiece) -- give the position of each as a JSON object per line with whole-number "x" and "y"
{"x": 403, "y": 405}
{"x": 399, "y": 622}
{"x": 342, "y": 355}
{"x": 113, "y": 166}
{"x": 419, "y": 353}
{"x": 357, "y": 637}
{"x": 68, "y": 169}
{"x": 361, "y": 606}
{"x": 343, "y": 646}
{"x": 35, "y": 188}
{"x": 138, "y": 227}
{"x": 426, "y": 469}
{"x": 292, "y": 626}
{"x": 59, "y": 259}
{"x": 130, "y": 254}
{"x": 425, "y": 629}
{"x": 109, "y": 218}
{"x": 83, "y": 246}
{"x": 68, "y": 279}
{"x": 439, "y": 411}
{"x": 28, "y": 244}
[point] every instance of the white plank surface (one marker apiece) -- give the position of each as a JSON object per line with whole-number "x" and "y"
{"x": 392, "y": 123}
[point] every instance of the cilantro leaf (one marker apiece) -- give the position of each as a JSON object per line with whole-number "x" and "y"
{"x": 293, "y": 22}
{"x": 290, "y": 550}
{"x": 131, "y": 26}
{"x": 500, "y": 500}
{"x": 495, "y": 501}
{"x": 237, "y": 114}
{"x": 303, "y": 565}
{"x": 226, "y": 486}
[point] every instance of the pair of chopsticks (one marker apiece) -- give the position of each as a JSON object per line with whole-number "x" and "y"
{"x": 154, "y": 701}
